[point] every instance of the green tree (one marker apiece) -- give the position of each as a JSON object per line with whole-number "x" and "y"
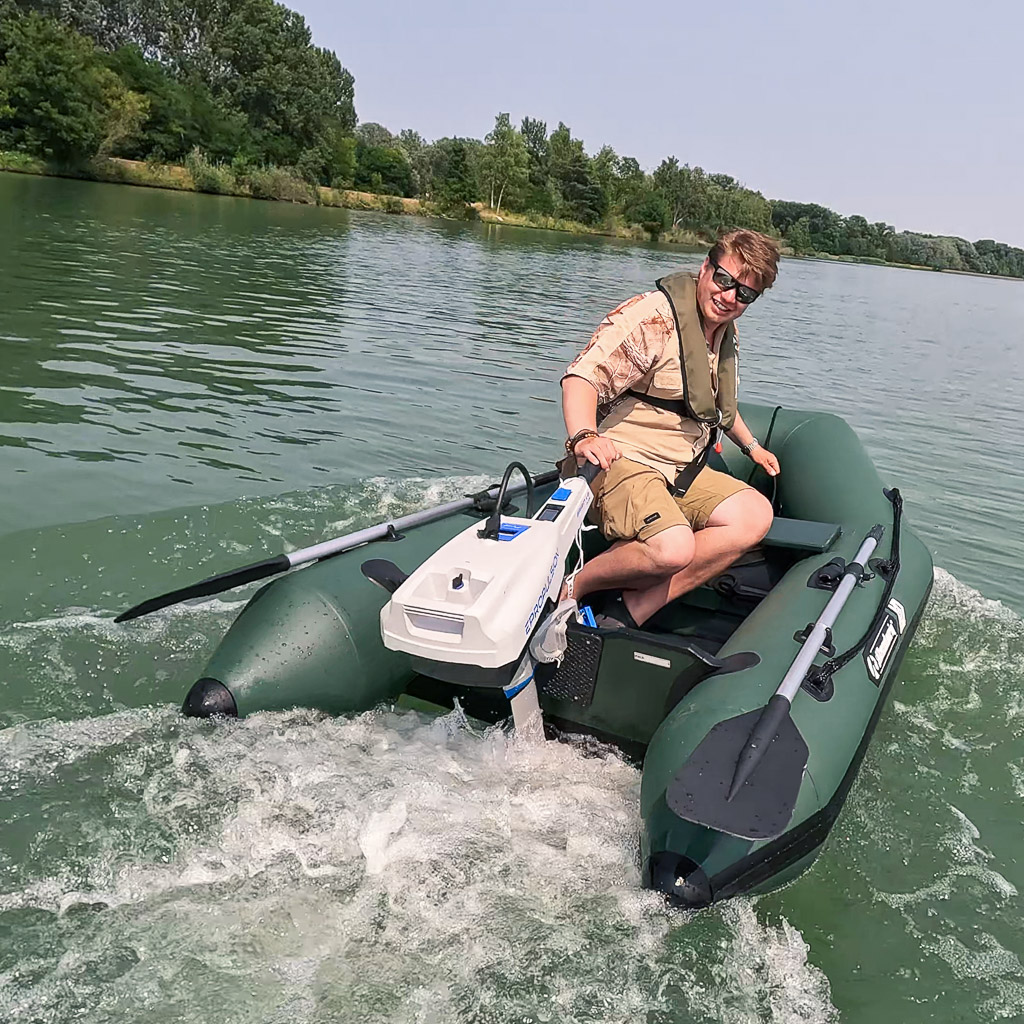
{"x": 799, "y": 236}
{"x": 375, "y": 136}
{"x": 671, "y": 182}
{"x": 604, "y": 166}
{"x": 182, "y": 114}
{"x": 452, "y": 181}
{"x": 287, "y": 88}
{"x": 504, "y": 162}
{"x": 383, "y": 169}
{"x": 580, "y": 193}
{"x": 339, "y": 159}
{"x": 418, "y": 153}
{"x": 650, "y": 210}
{"x": 247, "y": 60}
{"x": 629, "y": 186}
{"x": 540, "y": 194}
{"x": 825, "y": 226}
{"x": 126, "y": 113}
{"x": 62, "y": 103}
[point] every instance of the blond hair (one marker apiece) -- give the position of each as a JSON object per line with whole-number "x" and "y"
{"x": 756, "y": 254}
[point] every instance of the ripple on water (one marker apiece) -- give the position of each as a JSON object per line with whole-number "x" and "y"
{"x": 386, "y": 867}
{"x": 934, "y": 825}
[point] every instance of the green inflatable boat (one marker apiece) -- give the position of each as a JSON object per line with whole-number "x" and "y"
{"x": 750, "y": 702}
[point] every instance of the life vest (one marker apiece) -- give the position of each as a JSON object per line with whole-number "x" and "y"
{"x": 695, "y": 396}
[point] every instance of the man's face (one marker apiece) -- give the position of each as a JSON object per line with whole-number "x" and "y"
{"x": 717, "y": 306}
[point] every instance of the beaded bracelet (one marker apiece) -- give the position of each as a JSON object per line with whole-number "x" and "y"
{"x": 570, "y": 444}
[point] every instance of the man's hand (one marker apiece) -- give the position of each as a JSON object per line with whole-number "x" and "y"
{"x": 599, "y": 450}
{"x": 765, "y": 460}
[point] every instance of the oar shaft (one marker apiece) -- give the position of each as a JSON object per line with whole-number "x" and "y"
{"x": 777, "y": 709}
{"x": 428, "y": 515}
{"x": 794, "y": 678}
{"x": 282, "y": 563}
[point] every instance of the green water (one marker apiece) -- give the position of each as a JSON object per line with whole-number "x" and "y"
{"x": 188, "y": 382}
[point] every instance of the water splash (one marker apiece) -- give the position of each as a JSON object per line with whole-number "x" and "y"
{"x": 386, "y": 867}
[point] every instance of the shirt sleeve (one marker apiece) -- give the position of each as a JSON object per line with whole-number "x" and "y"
{"x": 621, "y": 352}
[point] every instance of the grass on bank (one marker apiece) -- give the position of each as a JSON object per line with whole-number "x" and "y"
{"x": 202, "y": 175}
{"x": 199, "y": 174}
{"x": 282, "y": 185}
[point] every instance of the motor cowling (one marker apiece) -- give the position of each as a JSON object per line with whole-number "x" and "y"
{"x": 468, "y": 612}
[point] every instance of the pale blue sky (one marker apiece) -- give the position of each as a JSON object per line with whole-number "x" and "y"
{"x": 903, "y": 111}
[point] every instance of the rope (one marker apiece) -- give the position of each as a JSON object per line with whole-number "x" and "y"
{"x": 891, "y": 566}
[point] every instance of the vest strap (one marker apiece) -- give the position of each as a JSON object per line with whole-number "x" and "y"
{"x": 686, "y": 476}
{"x": 676, "y": 405}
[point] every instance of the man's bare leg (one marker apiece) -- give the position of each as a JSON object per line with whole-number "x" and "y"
{"x": 634, "y": 563}
{"x": 735, "y": 526}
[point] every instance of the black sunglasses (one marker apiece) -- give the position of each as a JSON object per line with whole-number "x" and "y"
{"x": 726, "y": 282}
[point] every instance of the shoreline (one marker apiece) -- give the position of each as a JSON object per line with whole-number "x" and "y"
{"x": 275, "y": 185}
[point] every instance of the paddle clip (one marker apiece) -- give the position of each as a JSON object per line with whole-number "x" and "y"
{"x": 828, "y": 647}
{"x": 830, "y": 575}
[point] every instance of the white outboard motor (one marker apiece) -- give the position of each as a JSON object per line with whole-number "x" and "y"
{"x": 468, "y": 613}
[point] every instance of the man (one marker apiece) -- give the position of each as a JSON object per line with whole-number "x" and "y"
{"x": 661, "y": 368}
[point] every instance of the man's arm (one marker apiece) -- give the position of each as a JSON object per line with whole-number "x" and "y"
{"x": 741, "y": 436}
{"x": 579, "y": 408}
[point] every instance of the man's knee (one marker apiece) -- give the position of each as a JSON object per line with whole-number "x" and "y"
{"x": 672, "y": 550}
{"x": 760, "y": 517}
{"x": 748, "y": 512}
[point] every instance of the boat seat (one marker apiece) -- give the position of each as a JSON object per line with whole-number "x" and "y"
{"x": 801, "y": 534}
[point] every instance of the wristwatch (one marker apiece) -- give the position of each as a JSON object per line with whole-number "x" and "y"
{"x": 748, "y": 448}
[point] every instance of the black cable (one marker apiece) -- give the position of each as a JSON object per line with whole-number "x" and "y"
{"x": 491, "y": 529}
{"x": 767, "y": 444}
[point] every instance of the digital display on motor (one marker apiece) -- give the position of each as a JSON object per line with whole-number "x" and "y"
{"x": 549, "y": 513}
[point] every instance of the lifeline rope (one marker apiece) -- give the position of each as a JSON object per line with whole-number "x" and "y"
{"x": 570, "y": 578}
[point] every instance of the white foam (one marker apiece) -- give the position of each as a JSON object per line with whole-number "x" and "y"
{"x": 949, "y": 595}
{"x": 390, "y": 865}
{"x": 148, "y": 628}
{"x": 39, "y": 747}
{"x": 966, "y": 860}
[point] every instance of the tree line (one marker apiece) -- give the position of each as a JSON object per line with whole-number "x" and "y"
{"x": 235, "y": 86}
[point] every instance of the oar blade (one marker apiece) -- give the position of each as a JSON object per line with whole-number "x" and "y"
{"x": 210, "y": 586}
{"x": 384, "y": 573}
{"x": 763, "y": 806}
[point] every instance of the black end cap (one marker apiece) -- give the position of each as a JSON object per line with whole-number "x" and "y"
{"x": 680, "y": 879}
{"x": 209, "y": 697}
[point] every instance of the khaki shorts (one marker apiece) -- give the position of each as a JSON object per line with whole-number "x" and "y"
{"x": 633, "y": 502}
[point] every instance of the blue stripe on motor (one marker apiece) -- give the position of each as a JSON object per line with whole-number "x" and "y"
{"x": 509, "y": 531}
{"x": 511, "y": 691}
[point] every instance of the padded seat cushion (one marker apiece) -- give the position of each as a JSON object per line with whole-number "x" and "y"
{"x": 801, "y": 534}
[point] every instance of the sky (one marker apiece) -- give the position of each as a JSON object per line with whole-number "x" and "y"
{"x": 906, "y": 112}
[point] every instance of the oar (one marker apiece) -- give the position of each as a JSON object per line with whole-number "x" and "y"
{"x": 282, "y": 563}
{"x": 744, "y": 777}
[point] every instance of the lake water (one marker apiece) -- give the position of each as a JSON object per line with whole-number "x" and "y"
{"x": 190, "y": 382}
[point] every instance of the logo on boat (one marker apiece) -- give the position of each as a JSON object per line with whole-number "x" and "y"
{"x": 650, "y": 659}
{"x": 886, "y": 640}
{"x": 539, "y": 604}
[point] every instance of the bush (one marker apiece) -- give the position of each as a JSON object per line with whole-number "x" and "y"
{"x": 279, "y": 183}
{"x": 209, "y": 177}
{"x": 11, "y": 161}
